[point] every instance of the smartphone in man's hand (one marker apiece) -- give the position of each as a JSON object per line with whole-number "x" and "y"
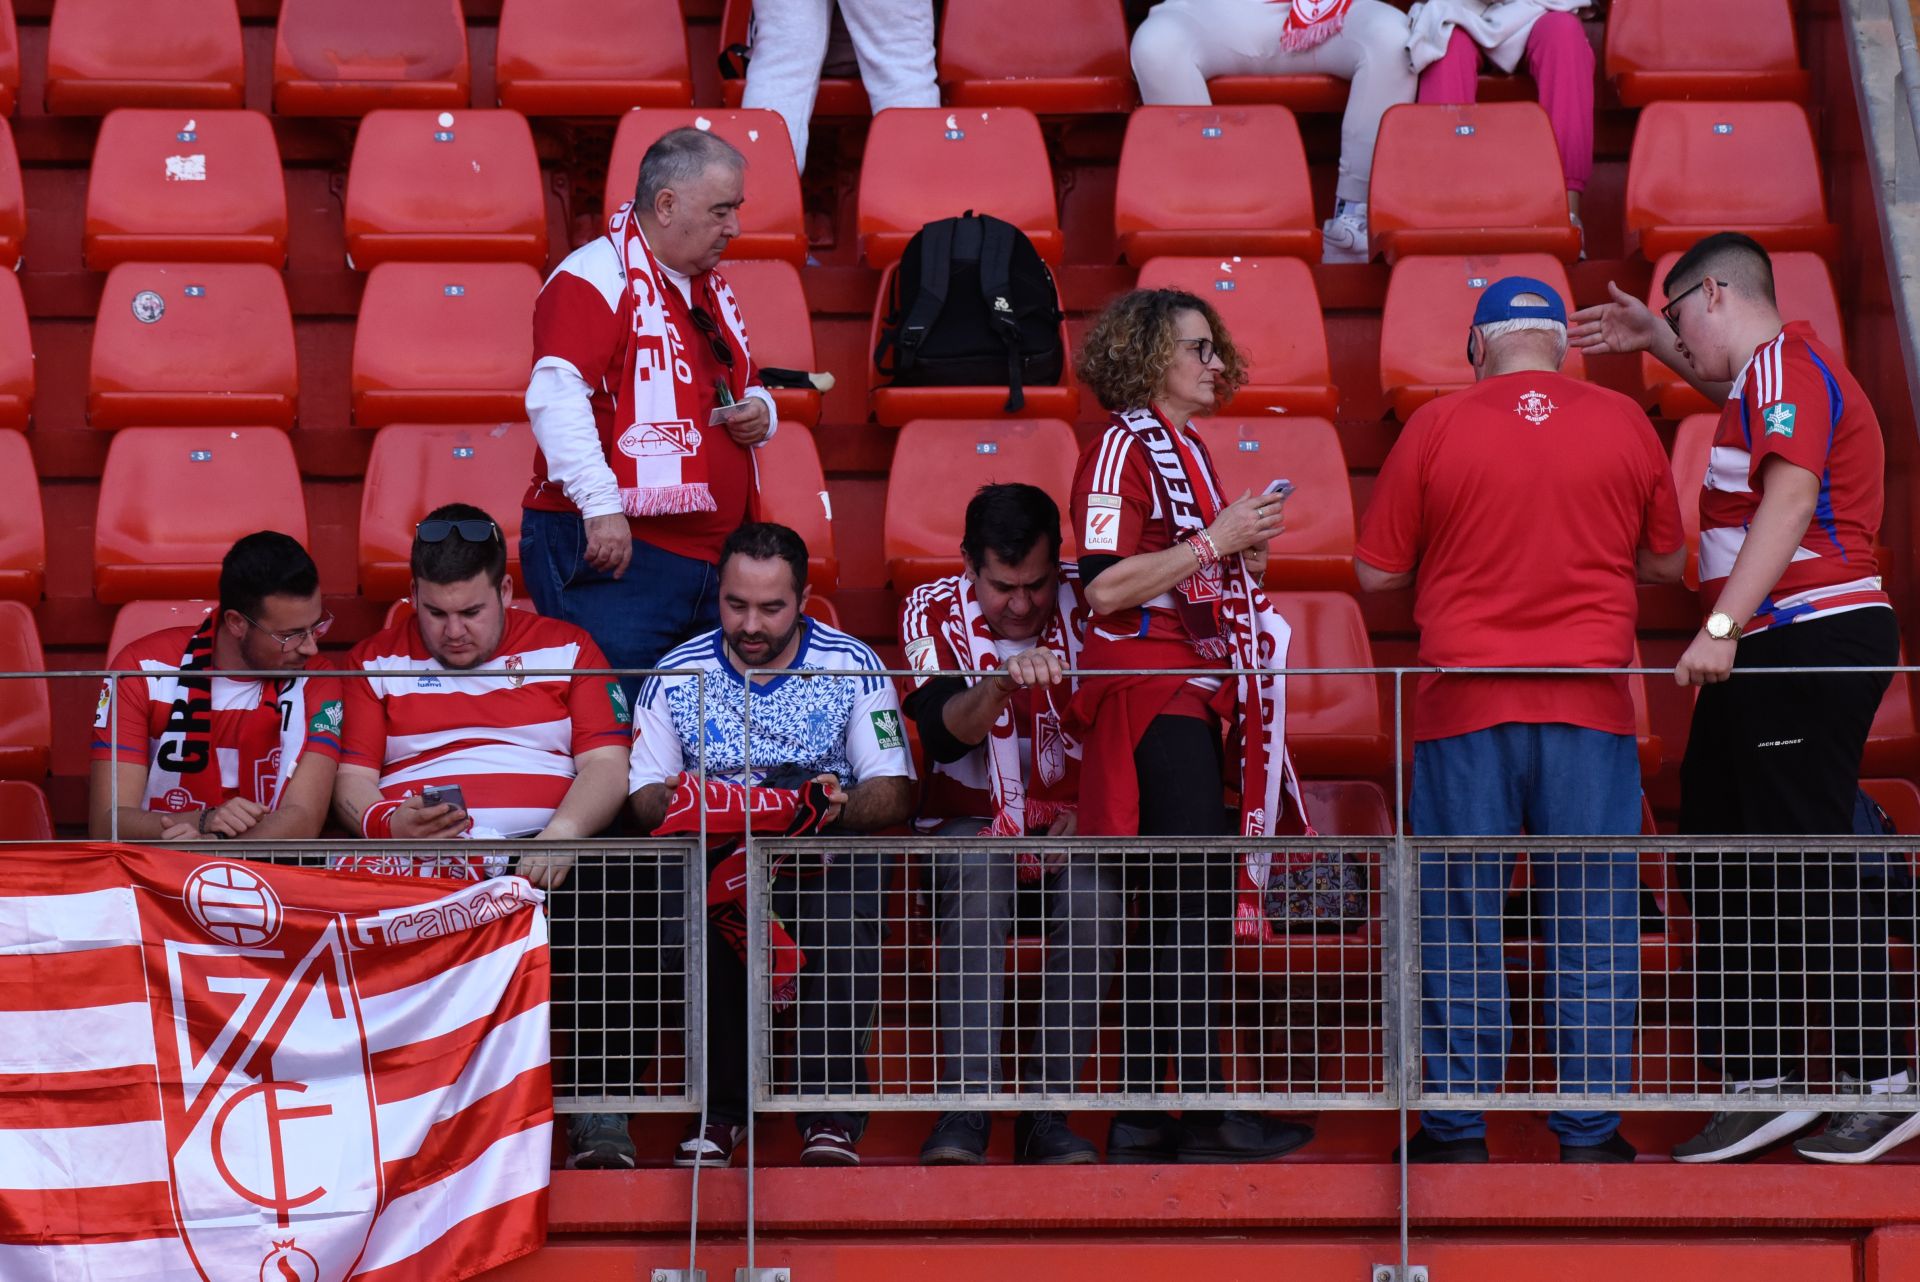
{"x": 447, "y": 794}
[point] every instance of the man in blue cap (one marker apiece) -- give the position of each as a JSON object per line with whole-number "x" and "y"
{"x": 1522, "y": 510}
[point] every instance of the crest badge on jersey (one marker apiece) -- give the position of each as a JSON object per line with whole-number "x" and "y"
{"x": 1102, "y": 533}
{"x": 516, "y": 671}
{"x": 1535, "y": 407}
{"x": 1779, "y": 418}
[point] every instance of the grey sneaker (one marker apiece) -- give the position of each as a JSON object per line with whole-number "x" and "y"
{"x": 1343, "y": 237}
{"x": 599, "y": 1142}
{"x": 1858, "y": 1138}
{"x": 1730, "y": 1135}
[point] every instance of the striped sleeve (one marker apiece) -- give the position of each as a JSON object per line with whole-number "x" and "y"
{"x": 1112, "y": 503}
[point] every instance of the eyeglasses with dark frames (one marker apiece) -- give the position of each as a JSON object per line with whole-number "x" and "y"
{"x": 295, "y": 639}
{"x": 1203, "y": 348}
{"x": 1671, "y": 311}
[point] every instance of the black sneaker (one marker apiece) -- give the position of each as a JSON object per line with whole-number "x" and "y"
{"x": 1611, "y": 1151}
{"x": 1045, "y": 1139}
{"x": 1859, "y": 1137}
{"x": 1424, "y": 1149}
{"x": 958, "y": 1139}
{"x": 1732, "y": 1135}
{"x": 599, "y": 1142}
{"x": 1147, "y": 1137}
{"x": 712, "y": 1147}
{"x": 1239, "y": 1137}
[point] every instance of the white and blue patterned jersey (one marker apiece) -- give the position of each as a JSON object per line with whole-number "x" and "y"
{"x": 849, "y": 726}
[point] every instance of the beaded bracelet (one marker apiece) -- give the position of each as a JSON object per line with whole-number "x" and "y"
{"x": 1204, "y": 551}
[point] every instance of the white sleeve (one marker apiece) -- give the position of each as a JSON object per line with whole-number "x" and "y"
{"x": 560, "y": 407}
{"x": 877, "y": 735}
{"x": 657, "y": 753}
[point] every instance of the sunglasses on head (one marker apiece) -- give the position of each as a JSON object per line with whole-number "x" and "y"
{"x": 704, "y": 322}
{"x": 469, "y": 531}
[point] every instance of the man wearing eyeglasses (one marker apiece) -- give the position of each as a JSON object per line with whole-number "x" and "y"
{"x": 1789, "y": 515}
{"x": 646, "y": 407}
{"x": 199, "y": 756}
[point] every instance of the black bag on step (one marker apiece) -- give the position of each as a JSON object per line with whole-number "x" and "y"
{"x": 972, "y": 305}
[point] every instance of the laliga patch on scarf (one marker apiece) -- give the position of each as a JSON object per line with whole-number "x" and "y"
{"x": 1103, "y": 524}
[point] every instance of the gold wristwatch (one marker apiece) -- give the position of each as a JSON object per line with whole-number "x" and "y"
{"x": 1721, "y": 627}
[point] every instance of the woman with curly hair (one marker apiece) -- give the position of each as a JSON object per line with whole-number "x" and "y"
{"x": 1171, "y": 571}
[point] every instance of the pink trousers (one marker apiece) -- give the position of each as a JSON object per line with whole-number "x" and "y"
{"x": 1561, "y": 62}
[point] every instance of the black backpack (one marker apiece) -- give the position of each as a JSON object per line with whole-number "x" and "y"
{"x": 972, "y": 305}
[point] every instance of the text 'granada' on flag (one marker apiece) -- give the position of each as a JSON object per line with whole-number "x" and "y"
{"x": 220, "y": 1071}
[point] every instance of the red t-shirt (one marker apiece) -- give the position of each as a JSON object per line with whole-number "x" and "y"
{"x": 573, "y": 320}
{"x": 1796, "y": 400}
{"x": 1522, "y": 502}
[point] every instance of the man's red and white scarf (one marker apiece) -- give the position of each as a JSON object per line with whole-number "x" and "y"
{"x": 659, "y": 412}
{"x": 1312, "y": 22}
{"x": 1255, "y": 639}
{"x": 184, "y": 758}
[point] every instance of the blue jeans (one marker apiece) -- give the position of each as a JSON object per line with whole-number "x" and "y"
{"x": 661, "y": 600}
{"x": 1546, "y": 780}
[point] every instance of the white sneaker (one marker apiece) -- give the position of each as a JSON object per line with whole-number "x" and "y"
{"x": 1344, "y": 236}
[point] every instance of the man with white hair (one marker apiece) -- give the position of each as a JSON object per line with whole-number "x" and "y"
{"x": 1521, "y": 510}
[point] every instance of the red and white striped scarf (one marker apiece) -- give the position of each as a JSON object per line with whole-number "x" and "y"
{"x": 1313, "y": 22}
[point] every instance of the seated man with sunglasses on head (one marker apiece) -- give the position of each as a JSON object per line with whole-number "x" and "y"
{"x": 646, "y": 406}
{"x": 201, "y": 757}
{"x": 515, "y": 754}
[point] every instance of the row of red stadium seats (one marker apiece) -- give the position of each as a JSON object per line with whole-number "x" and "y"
{"x": 348, "y": 57}
{"x": 441, "y": 185}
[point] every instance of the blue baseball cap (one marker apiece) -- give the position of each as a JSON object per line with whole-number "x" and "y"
{"x": 1496, "y": 302}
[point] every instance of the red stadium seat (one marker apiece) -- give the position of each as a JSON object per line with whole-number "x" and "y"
{"x": 939, "y": 464}
{"x": 173, "y": 500}
{"x": 349, "y": 57}
{"x": 1893, "y": 744}
{"x": 780, "y": 328}
{"x": 554, "y": 57}
{"x": 1429, "y": 309}
{"x": 9, "y": 60}
{"x": 1272, "y": 310}
{"x": 178, "y": 344}
{"x": 822, "y": 608}
{"x": 1480, "y": 178}
{"x": 1899, "y": 798}
{"x": 1692, "y": 442}
{"x": 23, "y": 531}
{"x": 26, "y": 717}
{"x": 842, "y": 97}
{"x": 1716, "y": 49}
{"x": 440, "y": 186}
{"x": 924, "y": 163}
{"x": 13, "y": 202}
{"x": 443, "y": 343}
{"x": 1647, "y": 745}
{"x": 24, "y": 815}
{"x": 1316, "y": 549}
{"x": 178, "y": 186}
{"x": 1348, "y": 807}
{"x": 138, "y": 619}
{"x": 772, "y": 224}
{"x": 1212, "y": 180}
{"x": 1334, "y": 726}
{"x": 1062, "y": 57}
{"x": 1703, "y": 167}
{"x": 793, "y": 491}
{"x": 16, "y": 355}
{"x": 103, "y": 54}
{"x": 1804, "y": 287}
{"x": 894, "y": 406}
{"x": 415, "y": 468}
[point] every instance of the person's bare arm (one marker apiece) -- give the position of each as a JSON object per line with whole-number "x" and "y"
{"x": 970, "y": 715}
{"x": 136, "y": 823}
{"x": 1627, "y": 325}
{"x": 1660, "y": 567}
{"x": 649, "y": 805}
{"x": 1789, "y": 495}
{"x": 592, "y": 800}
{"x": 355, "y": 788}
{"x": 1249, "y": 521}
{"x": 880, "y": 802}
{"x": 302, "y": 811}
{"x": 1374, "y": 579}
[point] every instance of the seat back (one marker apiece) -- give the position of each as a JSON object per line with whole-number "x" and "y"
{"x": 138, "y": 619}
{"x": 9, "y": 60}
{"x": 186, "y": 344}
{"x": 13, "y": 201}
{"x": 445, "y": 186}
{"x": 103, "y": 54}
{"x": 1710, "y": 49}
{"x": 1063, "y": 56}
{"x": 26, "y": 717}
{"x": 174, "y": 499}
{"x": 924, "y": 163}
{"x": 1692, "y": 443}
{"x": 414, "y": 468}
{"x": 774, "y": 304}
{"x": 23, "y": 529}
{"x": 1316, "y": 548}
{"x": 772, "y": 222}
{"x": 24, "y": 814}
{"x": 1803, "y": 286}
{"x": 937, "y": 466}
{"x": 443, "y": 343}
{"x": 840, "y": 96}
{"x": 1703, "y": 167}
{"x": 185, "y": 186}
{"x": 1348, "y": 807}
{"x": 16, "y": 355}
{"x": 348, "y": 57}
{"x": 1272, "y": 309}
{"x": 554, "y": 58}
{"x": 1429, "y": 309}
{"x": 793, "y": 491}
{"x": 1213, "y": 180}
{"x": 1472, "y": 179}
{"x": 1334, "y": 726}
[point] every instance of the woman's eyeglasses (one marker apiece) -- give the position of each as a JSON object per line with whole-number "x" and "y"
{"x": 1202, "y": 347}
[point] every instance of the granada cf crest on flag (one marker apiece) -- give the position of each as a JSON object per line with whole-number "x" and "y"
{"x": 237, "y": 1072}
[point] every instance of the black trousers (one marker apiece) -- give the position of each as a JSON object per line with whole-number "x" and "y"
{"x": 1773, "y": 932}
{"x": 617, "y": 976}
{"x": 1172, "y": 976}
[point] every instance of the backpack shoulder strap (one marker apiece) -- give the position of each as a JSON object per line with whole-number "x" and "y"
{"x": 996, "y": 288}
{"x": 936, "y": 253}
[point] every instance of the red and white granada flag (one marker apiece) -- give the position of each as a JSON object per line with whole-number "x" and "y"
{"x": 217, "y": 1071}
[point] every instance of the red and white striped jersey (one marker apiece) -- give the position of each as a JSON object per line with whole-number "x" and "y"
{"x": 508, "y": 739}
{"x": 1795, "y": 400}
